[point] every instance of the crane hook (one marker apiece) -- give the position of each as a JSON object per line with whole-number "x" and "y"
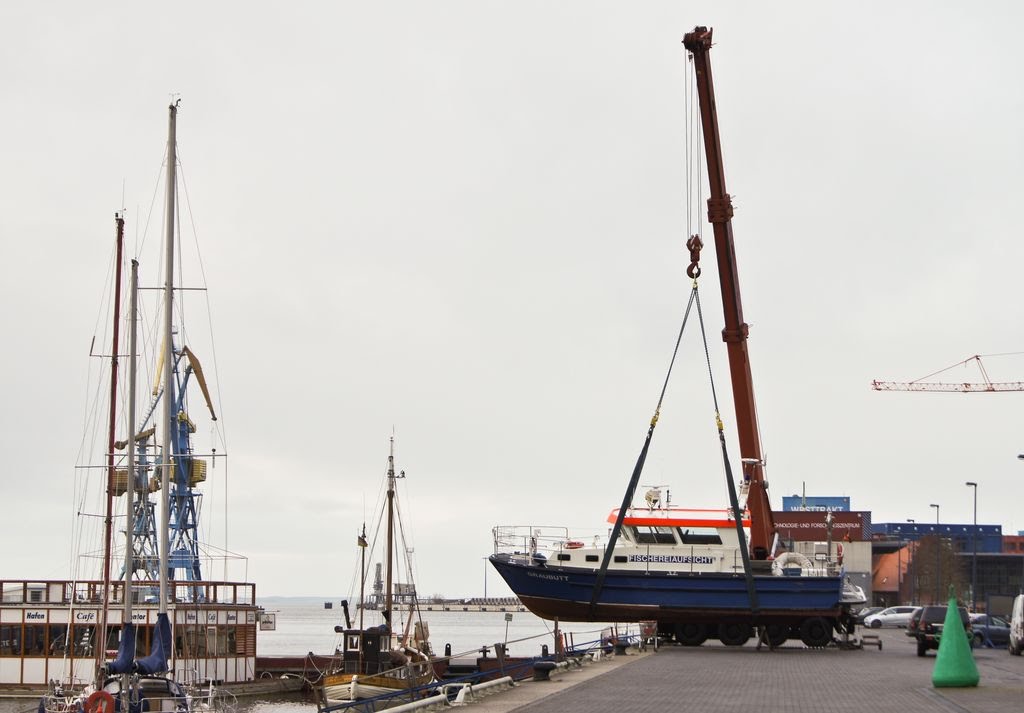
{"x": 694, "y": 244}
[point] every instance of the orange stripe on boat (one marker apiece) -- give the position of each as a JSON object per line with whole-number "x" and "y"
{"x": 677, "y": 518}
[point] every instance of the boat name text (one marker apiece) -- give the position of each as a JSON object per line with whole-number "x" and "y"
{"x": 555, "y": 577}
{"x": 673, "y": 559}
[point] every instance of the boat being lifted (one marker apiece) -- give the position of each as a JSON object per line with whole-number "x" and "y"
{"x": 680, "y": 567}
{"x": 698, "y": 573}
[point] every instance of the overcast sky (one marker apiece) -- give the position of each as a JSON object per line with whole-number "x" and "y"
{"x": 464, "y": 222}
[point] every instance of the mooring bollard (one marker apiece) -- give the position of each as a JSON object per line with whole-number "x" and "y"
{"x": 542, "y": 670}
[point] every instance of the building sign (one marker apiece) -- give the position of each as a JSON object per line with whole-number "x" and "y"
{"x": 809, "y": 526}
{"x": 268, "y": 621}
{"x": 798, "y": 503}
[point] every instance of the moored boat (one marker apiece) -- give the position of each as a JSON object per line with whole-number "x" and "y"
{"x": 387, "y": 657}
{"x": 87, "y": 636}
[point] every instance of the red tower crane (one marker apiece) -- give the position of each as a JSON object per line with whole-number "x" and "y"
{"x": 985, "y": 385}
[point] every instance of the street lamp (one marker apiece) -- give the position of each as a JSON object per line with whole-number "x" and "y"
{"x": 1021, "y": 457}
{"x": 899, "y": 573}
{"x": 974, "y": 558}
{"x": 938, "y": 564}
{"x": 485, "y": 578}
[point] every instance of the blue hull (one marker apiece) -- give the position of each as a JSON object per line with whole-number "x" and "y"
{"x": 564, "y": 593}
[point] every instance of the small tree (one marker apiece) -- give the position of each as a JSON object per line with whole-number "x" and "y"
{"x": 935, "y": 567}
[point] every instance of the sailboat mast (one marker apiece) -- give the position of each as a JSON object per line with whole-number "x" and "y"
{"x": 129, "y": 528}
{"x": 111, "y": 436}
{"x": 362, "y": 579}
{"x": 388, "y": 603}
{"x": 168, "y": 356}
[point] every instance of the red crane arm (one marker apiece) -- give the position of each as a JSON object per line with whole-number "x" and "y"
{"x": 762, "y": 528}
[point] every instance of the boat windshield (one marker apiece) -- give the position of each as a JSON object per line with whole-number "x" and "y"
{"x": 699, "y": 536}
{"x": 651, "y": 535}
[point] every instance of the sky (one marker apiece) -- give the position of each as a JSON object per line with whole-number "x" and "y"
{"x": 463, "y": 223}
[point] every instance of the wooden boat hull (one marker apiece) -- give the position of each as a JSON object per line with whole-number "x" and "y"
{"x": 341, "y": 687}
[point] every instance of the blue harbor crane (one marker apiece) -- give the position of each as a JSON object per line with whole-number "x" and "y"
{"x": 187, "y": 471}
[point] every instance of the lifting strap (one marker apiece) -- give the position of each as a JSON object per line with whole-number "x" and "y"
{"x": 627, "y": 499}
{"x": 734, "y": 504}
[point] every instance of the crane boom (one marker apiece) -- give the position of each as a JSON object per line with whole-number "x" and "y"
{"x": 965, "y": 387}
{"x": 762, "y": 525}
{"x": 986, "y": 385}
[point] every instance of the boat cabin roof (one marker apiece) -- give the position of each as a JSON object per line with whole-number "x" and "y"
{"x": 678, "y": 517}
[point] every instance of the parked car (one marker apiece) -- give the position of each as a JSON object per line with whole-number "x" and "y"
{"x": 893, "y": 616}
{"x": 1016, "y": 643}
{"x": 990, "y": 630}
{"x": 860, "y": 614}
{"x": 926, "y": 626}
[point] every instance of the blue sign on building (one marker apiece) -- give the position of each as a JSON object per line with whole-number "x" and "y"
{"x": 799, "y": 503}
{"x": 988, "y": 538}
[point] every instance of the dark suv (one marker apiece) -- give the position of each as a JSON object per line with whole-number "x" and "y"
{"x": 926, "y": 626}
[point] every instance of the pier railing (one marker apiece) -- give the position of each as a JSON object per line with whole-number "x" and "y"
{"x": 529, "y": 539}
{"x": 90, "y": 592}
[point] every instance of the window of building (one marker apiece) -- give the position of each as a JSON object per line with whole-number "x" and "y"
{"x": 35, "y": 640}
{"x": 10, "y": 640}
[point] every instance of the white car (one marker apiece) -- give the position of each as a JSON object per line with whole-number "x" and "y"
{"x": 1016, "y": 645}
{"x": 893, "y": 616}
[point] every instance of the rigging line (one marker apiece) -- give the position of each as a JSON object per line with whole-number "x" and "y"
{"x": 218, "y": 427}
{"x": 152, "y": 201}
{"x": 627, "y": 499}
{"x": 975, "y": 358}
{"x": 700, "y": 176}
{"x": 687, "y": 129}
{"x": 733, "y": 500}
{"x": 695, "y": 137}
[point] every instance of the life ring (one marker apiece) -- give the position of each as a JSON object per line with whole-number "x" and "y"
{"x": 99, "y": 702}
{"x": 790, "y": 560}
{"x": 573, "y": 545}
{"x": 839, "y": 552}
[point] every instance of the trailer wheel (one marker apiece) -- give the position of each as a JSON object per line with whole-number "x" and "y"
{"x": 816, "y": 632}
{"x": 776, "y": 634}
{"x": 734, "y": 633}
{"x": 691, "y": 634}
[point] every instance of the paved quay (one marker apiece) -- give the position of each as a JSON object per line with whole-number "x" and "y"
{"x": 717, "y": 679}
